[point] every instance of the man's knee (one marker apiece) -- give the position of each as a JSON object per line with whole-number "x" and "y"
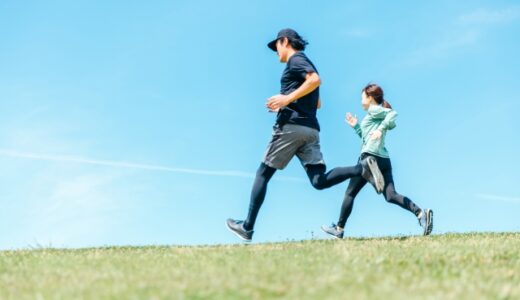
{"x": 318, "y": 185}
{"x": 265, "y": 171}
{"x": 390, "y": 196}
{"x": 316, "y": 173}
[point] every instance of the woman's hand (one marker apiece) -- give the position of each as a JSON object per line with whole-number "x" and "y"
{"x": 351, "y": 120}
{"x": 376, "y": 134}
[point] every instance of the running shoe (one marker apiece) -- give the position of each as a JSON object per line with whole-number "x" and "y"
{"x": 426, "y": 221}
{"x": 333, "y": 230}
{"x": 237, "y": 227}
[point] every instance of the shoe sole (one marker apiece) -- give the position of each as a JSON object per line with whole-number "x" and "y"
{"x": 429, "y": 222}
{"x": 376, "y": 173}
{"x": 336, "y": 237}
{"x": 237, "y": 234}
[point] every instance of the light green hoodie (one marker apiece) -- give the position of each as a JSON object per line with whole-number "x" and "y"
{"x": 380, "y": 118}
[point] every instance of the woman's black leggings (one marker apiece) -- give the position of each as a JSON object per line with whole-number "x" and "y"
{"x": 357, "y": 183}
{"x": 317, "y": 176}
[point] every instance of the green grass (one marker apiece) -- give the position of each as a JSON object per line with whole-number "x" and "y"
{"x": 451, "y": 266}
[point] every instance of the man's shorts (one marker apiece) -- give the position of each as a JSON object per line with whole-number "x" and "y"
{"x": 291, "y": 140}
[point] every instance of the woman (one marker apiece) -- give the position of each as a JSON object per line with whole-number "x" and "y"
{"x": 379, "y": 119}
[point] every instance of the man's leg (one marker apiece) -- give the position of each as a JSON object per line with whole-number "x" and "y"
{"x": 244, "y": 229}
{"x": 263, "y": 175}
{"x": 312, "y": 159}
{"x": 282, "y": 147}
{"x": 321, "y": 180}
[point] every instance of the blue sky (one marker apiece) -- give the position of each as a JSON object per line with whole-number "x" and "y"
{"x": 132, "y": 123}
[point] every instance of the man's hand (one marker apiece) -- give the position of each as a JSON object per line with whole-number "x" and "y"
{"x": 374, "y": 135}
{"x": 312, "y": 82}
{"x": 351, "y": 120}
{"x": 278, "y": 101}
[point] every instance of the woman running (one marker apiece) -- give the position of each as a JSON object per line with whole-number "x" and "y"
{"x": 379, "y": 119}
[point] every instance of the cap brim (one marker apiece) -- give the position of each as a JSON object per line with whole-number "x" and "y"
{"x": 272, "y": 45}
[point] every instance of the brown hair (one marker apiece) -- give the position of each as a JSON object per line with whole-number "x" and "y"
{"x": 375, "y": 91}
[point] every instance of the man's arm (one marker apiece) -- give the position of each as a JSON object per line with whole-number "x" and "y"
{"x": 312, "y": 82}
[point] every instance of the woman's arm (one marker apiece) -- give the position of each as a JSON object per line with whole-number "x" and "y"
{"x": 388, "y": 122}
{"x": 353, "y": 122}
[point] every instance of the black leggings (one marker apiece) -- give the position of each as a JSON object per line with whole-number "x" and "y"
{"x": 357, "y": 183}
{"x": 317, "y": 176}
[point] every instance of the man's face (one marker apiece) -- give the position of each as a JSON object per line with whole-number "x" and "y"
{"x": 282, "y": 45}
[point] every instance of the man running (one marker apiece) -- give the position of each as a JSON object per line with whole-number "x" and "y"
{"x": 296, "y": 131}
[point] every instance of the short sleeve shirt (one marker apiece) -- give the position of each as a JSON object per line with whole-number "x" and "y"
{"x": 302, "y": 111}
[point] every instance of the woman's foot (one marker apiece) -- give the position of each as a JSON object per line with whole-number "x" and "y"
{"x": 372, "y": 173}
{"x": 333, "y": 230}
{"x": 426, "y": 220}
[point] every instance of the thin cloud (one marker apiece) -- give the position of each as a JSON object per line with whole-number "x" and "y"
{"x": 465, "y": 31}
{"x": 357, "y": 32}
{"x": 499, "y": 198}
{"x": 485, "y": 16}
{"x": 443, "y": 48}
{"x": 85, "y": 203}
{"x": 131, "y": 165}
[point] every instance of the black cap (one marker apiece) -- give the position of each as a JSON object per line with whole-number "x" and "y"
{"x": 288, "y": 33}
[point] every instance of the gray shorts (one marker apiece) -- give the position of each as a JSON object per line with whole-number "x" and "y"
{"x": 291, "y": 140}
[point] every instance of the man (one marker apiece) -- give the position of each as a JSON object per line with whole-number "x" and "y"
{"x": 296, "y": 131}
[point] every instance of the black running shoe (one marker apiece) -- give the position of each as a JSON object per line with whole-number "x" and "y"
{"x": 426, "y": 221}
{"x": 333, "y": 230}
{"x": 372, "y": 173}
{"x": 237, "y": 227}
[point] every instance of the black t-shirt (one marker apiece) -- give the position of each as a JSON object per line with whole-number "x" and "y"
{"x": 302, "y": 111}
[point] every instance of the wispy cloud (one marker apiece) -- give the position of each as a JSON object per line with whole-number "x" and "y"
{"x": 442, "y": 48}
{"x": 487, "y": 16}
{"x": 357, "y": 32}
{"x": 499, "y": 198}
{"x": 465, "y": 31}
{"x": 86, "y": 203}
{"x": 132, "y": 165}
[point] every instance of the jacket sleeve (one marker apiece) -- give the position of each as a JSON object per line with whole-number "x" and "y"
{"x": 388, "y": 122}
{"x": 357, "y": 129}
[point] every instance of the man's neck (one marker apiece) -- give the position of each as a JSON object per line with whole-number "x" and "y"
{"x": 290, "y": 53}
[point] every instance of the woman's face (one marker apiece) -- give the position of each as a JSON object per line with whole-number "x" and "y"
{"x": 366, "y": 100}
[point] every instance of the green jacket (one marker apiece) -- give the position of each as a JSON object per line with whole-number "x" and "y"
{"x": 380, "y": 118}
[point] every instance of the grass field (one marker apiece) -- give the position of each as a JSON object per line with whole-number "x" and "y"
{"x": 451, "y": 266}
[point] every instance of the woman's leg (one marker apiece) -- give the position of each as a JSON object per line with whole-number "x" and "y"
{"x": 392, "y": 196}
{"x": 425, "y": 216}
{"x": 263, "y": 175}
{"x": 355, "y": 185}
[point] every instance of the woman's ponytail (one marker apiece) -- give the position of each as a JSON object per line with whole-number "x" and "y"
{"x": 386, "y": 104}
